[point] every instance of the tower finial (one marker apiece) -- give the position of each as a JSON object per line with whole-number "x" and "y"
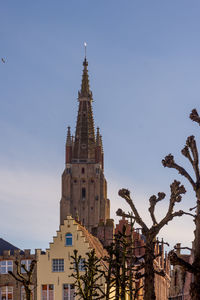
{"x": 85, "y": 45}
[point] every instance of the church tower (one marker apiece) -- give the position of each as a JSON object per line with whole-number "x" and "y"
{"x": 84, "y": 187}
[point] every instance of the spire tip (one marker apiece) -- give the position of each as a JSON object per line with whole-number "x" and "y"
{"x": 85, "y": 46}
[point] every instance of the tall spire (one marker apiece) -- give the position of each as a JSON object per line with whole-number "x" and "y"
{"x": 68, "y": 151}
{"x": 69, "y": 140}
{"x": 84, "y": 146}
{"x": 98, "y": 139}
{"x": 85, "y": 85}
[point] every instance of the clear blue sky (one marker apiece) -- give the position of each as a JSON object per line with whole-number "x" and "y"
{"x": 144, "y": 66}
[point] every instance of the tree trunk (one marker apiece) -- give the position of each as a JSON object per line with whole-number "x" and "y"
{"x": 28, "y": 293}
{"x": 149, "y": 293}
{"x": 195, "y": 285}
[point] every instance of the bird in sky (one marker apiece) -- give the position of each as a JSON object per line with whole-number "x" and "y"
{"x": 3, "y": 60}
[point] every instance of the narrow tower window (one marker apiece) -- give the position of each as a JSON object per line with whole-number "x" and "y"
{"x": 83, "y": 170}
{"x": 83, "y": 193}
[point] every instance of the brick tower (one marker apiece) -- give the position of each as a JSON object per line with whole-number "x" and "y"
{"x": 84, "y": 187}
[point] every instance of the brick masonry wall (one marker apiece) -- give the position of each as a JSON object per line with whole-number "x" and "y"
{"x": 8, "y": 280}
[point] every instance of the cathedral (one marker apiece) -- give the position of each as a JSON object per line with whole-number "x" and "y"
{"x": 84, "y": 187}
{"x": 85, "y": 222}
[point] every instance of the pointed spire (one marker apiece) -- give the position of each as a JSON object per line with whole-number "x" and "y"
{"x": 68, "y": 150}
{"x": 69, "y": 140}
{"x": 85, "y": 86}
{"x": 84, "y": 145}
{"x": 101, "y": 142}
{"x": 98, "y": 139}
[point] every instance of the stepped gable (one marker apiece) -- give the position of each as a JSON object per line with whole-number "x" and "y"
{"x": 93, "y": 242}
{"x": 4, "y": 245}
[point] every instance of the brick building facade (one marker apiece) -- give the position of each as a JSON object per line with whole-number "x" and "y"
{"x": 180, "y": 279}
{"x": 10, "y": 289}
{"x": 162, "y": 284}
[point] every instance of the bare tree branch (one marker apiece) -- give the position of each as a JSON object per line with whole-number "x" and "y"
{"x": 176, "y": 260}
{"x": 170, "y": 163}
{"x": 153, "y": 201}
{"x": 194, "y": 116}
{"x": 124, "y": 193}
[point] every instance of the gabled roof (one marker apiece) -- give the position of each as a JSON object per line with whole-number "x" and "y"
{"x": 4, "y": 245}
{"x": 93, "y": 242}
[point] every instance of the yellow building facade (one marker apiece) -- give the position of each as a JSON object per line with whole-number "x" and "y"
{"x": 53, "y": 265}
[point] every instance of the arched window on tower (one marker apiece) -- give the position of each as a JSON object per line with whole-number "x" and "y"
{"x": 83, "y": 171}
{"x": 68, "y": 239}
{"x": 83, "y": 193}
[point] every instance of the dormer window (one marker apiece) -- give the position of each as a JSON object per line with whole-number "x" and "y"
{"x": 68, "y": 239}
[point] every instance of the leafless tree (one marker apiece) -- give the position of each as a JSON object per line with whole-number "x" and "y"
{"x": 190, "y": 151}
{"x": 117, "y": 270}
{"x": 26, "y": 279}
{"x": 151, "y": 233}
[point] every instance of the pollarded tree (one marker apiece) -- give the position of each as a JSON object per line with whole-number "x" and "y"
{"x": 117, "y": 270}
{"x": 190, "y": 151}
{"x": 123, "y": 263}
{"x": 26, "y": 278}
{"x": 151, "y": 233}
{"x": 87, "y": 282}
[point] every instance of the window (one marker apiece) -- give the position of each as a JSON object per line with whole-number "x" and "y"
{"x": 83, "y": 193}
{"x": 83, "y": 170}
{"x": 58, "y": 265}
{"x": 6, "y": 293}
{"x": 81, "y": 265}
{"x": 83, "y": 146}
{"x": 47, "y": 292}
{"x": 68, "y": 170}
{"x": 68, "y": 238}
{"x": 27, "y": 263}
{"x": 5, "y": 266}
{"x": 68, "y": 292}
{"x": 23, "y": 293}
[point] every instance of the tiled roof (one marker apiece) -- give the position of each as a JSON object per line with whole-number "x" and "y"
{"x": 4, "y": 245}
{"x": 93, "y": 242}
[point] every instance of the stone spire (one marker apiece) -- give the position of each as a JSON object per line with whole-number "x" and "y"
{"x": 101, "y": 143}
{"x": 68, "y": 150}
{"x": 98, "y": 139}
{"x": 84, "y": 145}
{"x": 69, "y": 139}
{"x": 85, "y": 86}
{"x": 84, "y": 187}
{"x": 99, "y": 157}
